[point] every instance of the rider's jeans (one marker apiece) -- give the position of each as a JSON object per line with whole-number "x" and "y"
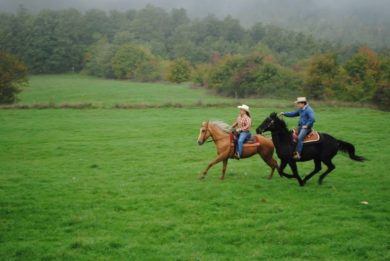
{"x": 301, "y": 136}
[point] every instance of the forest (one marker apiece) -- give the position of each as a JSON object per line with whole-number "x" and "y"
{"x": 153, "y": 44}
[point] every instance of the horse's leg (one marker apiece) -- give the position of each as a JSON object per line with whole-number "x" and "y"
{"x": 266, "y": 155}
{"x": 219, "y": 158}
{"x": 294, "y": 168}
{"x": 283, "y": 164}
{"x": 328, "y": 162}
{"x": 225, "y": 162}
{"x": 317, "y": 168}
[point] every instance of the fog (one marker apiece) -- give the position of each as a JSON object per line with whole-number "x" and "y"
{"x": 345, "y": 21}
{"x": 248, "y": 11}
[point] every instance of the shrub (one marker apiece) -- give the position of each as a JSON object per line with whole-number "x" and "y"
{"x": 322, "y": 76}
{"x": 243, "y": 76}
{"x": 98, "y": 58}
{"x": 382, "y": 98}
{"x": 179, "y": 71}
{"x": 135, "y": 62}
{"x": 13, "y": 75}
{"x": 200, "y": 74}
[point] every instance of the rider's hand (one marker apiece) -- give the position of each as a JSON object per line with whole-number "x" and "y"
{"x": 304, "y": 127}
{"x": 281, "y": 113}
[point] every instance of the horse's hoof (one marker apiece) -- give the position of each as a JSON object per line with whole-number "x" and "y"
{"x": 201, "y": 177}
{"x": 221, "y": 178}
{"x": 269, "y": 177}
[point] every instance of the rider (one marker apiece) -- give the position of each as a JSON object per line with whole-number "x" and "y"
{"x": 306, "y": 121}
{"x": 244, "y": 124}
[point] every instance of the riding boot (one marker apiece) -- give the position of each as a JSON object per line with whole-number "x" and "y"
{"x": 297, "y": 156}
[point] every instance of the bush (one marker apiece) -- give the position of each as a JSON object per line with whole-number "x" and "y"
{"x": 135, "y": 62}
{"x": 200, "y": 74}
{"x": 13, "y": 75}
{"x": 148, "y": 71}
{"x": 179, "y": 71}
{"x": 322, "y": 77}
{"x": 243, "y": 76}
{"x": 98, "y": 58}
{"x": 382, "y": 98}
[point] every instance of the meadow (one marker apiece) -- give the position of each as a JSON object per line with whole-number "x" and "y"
{"x": 121, "y": 184}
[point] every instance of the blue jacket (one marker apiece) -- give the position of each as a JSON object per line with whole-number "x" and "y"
{"x": 307, "y": 116}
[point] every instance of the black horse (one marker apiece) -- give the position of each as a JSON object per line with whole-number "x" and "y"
{"x": 322, "y": 151}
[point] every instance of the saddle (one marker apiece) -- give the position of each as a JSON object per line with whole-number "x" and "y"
{"x": 312, "y": 136}
{"x": 251, "y": 141}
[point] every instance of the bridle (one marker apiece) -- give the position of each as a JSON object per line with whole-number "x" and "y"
{"x": 205, "y": 131}
{"x": 269, "y": 124}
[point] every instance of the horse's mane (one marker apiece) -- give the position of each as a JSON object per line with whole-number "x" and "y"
{"x": 283, "y": 124}
{"x": 223, "y": 126}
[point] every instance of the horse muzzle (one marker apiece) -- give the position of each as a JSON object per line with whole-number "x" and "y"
{"x": 200, "y": 142}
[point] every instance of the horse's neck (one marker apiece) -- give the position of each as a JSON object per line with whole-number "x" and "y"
{"x": 217, "y": 133}
{"x": 281, "y": 139}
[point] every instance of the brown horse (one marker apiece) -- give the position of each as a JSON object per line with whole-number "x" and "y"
{"x": 221, "y": 132}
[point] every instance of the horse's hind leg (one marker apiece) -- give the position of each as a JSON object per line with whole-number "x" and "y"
{"x": 331, "y": 167}
{"x": 317, "y": 168}
{"x": 225, "y": 162}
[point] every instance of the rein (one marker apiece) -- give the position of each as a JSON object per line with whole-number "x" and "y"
{"x": 215, "y": 140}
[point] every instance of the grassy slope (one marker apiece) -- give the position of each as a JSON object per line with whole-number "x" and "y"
{"x": 121, "y": 184}
{"x": 79, "y": 88}
{"x": 73, "y": 88}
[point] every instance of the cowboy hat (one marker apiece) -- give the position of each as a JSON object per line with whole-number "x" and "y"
{"x": 301, "y": 99}
{"x": 244, "y": 107}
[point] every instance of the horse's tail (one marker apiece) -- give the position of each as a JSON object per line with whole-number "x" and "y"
{"x": 348, "y": 147}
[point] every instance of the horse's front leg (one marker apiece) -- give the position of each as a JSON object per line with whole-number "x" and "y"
{"x": 294, "y": 168}
{"x": 281, "y": 168}
{"x": 218, "y": 159}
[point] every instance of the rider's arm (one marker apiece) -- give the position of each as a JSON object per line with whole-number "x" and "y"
{"x": 291, "y": 114}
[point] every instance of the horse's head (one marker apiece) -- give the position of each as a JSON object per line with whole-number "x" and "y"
{"x": 204, "y": 133}
{"x": 271, "y": 123}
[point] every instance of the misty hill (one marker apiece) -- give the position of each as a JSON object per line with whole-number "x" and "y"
{"x": 342, "y": 21}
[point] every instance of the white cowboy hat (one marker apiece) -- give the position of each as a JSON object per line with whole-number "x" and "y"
{"x": 244, "y": 107}
{"x": 301, "y": 99}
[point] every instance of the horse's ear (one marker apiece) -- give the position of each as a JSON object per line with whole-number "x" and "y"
{"x": 273, "y": 115}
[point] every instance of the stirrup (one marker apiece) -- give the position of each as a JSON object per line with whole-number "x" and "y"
{"x": 297, "y": 156}
{"x": 237, "y": 155}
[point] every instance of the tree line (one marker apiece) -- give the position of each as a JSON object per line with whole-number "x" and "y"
{"x": 153, "y": 44}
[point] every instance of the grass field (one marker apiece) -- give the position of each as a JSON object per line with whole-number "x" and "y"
{"x": 112, "y": 184}
{"x": 73, "y": 88}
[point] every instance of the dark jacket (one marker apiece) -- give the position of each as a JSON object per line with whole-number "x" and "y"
{"x": 307, "y": 116}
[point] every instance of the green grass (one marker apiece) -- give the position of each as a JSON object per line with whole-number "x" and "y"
{"x": 74, "y": 88}
{"x": 79, "y": 88}
{"x": 112, "y": 184}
